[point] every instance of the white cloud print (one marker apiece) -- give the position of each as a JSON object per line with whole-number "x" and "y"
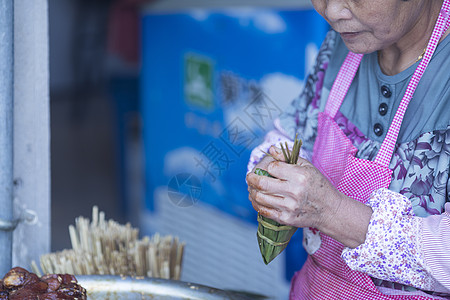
{"x": 264, "y": 20}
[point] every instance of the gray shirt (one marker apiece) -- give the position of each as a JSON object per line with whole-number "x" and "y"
{"x": 428, "y": 110}
{"x": 421, "y": 161}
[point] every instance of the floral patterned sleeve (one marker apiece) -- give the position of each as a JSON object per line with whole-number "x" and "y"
{"x": 401, "y": 247}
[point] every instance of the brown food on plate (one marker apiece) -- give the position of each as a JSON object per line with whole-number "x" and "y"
{"x": 18, "y": 283}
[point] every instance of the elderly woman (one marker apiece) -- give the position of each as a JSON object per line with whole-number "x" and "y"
{"x": 372, "y": 186}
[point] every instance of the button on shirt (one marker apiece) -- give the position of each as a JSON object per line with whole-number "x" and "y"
{"x": 372, "y": 101}
{"x": 386, "y": 92}
{"x": 378, "y": 129}
{"x": 383, "y": 109}
{"x": 422, "y": 140}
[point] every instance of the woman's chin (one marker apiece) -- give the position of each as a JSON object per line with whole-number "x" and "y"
{"x": 358, "y": 43}
{"x": 360, "y": 48}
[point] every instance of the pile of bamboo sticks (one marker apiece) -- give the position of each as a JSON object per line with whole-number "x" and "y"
{"x": 104, "y": 247}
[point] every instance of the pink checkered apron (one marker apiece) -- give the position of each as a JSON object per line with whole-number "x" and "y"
{"x": 324, "y": 274}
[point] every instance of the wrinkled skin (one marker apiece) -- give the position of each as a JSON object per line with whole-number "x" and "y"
{"x": 298, "y": 196}
{"x": 301, "y": 196}
{"x": 399, "y": 30}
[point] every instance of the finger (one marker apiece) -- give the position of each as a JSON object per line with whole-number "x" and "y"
{"x": 303, "y": 162}
{"x": 270, "y": 213}
{"x": 283, "y": 171}
{"x": 264, "y": 210}
{"x": 266, "y": 184}
{"x": 277, "y": 153}
{"x": 267, "y": 200}
{"x": 264, "y": 162}
{"x": 261, "y": 165}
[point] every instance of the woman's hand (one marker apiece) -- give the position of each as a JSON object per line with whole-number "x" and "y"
{"x": 301, "y": 196}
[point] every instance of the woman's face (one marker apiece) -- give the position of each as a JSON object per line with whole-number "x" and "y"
{"x": 369, "y": 25}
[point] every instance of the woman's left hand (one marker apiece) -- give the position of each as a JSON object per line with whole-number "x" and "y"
{"x": 301, "y": 196}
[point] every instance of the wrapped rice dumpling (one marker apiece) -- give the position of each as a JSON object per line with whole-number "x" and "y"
{"x": 273, "y": 237}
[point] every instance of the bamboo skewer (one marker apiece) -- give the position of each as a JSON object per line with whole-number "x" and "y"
{"x": 107, "y": 248}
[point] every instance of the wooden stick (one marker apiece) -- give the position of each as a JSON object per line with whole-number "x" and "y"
{"x": 106, "y": 247}
{"x": 35, "y": 268}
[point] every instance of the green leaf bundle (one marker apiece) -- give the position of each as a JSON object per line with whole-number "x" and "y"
{"x": 273, "y": 237}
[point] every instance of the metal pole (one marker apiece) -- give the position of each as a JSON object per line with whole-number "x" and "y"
{"x": 6, "y": 132}
{"x": 31, "y": 138}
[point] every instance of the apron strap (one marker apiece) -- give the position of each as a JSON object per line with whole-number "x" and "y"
{"x": 342, "y": 83}
{"x": 387, "y": 147}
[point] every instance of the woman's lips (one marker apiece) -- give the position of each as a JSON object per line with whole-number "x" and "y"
{"x": 349, "y": 35}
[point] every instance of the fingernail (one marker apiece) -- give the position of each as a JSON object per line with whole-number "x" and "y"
{"x": 276, "y": 149}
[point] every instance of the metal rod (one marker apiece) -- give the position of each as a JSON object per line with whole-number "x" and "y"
{"x": 6, "y": 130}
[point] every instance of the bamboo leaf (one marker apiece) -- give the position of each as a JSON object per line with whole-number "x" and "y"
{"x": 274, "y": 237}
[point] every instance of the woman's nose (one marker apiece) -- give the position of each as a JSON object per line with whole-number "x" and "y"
{"x": 337, "y": 10}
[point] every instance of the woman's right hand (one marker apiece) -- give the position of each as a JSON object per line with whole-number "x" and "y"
{"x": 300, "y": 196}
{"x": 263, "y": 163}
